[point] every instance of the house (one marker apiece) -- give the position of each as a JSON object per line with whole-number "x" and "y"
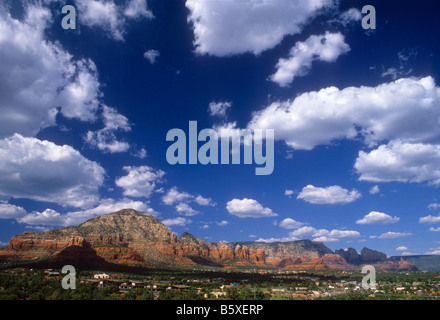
{"x": 131, "y": 285}
{"x": 101, "y": 276}
{"x": 179, "y": 287}
{"x": 217, "y": 294}
{"x": 224, "y": 287}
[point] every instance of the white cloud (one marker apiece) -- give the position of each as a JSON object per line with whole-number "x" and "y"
{"x": 139, "y": 181}
{"x": 327, "y": 47}
{"x": 222, "y": 223}
{"x": 393, "y": 235}
{"x": 248, "y": 208}
{"x": 430, "y": 219}
{"x": 137, "y": 9}
{"x": 179, "y": 221}
{"x": 283, "y": 239}
{"x": 434, "y": 251}
{"x": 110, "y": 17}
{"x": 113, "y": 120}
{"x": 348, "y": 17}
{"x": 375, "y": 189}
{"x": 41, "y": 76}
{"x": 106, "y": 141}
{"x": 152, "y": 55}
{"x": 185, "y": 209}
{"x": 290, "y": 223}
{"x": 141, "y": 153}
{"x": 434, "y": 206}
{"x": 219, "y": 108}
{"x": 401, "y": 248}
{"x": 328, "y": 195}
{"x": 432, "y": 229}
{"x": 375, "y": 217}
{"x": 48, "y": 217}
{"x": 182, "y": 199}
{"x": 402, "y": 70}
{"x": 234, "y": 26}
{"x": 10, "y": 211}
{"x": 43, "y": 171}
{"x": 173, "y": 195}
{"x": 406, "y": 109}
{"x": 204, "y": 201}
{"x": 402, "y": 162}
{"x": 407, "y": 253}
{"x": 323, "y": 235}
{"x": 105, "y": 138}
{"x": 288, "y": 193}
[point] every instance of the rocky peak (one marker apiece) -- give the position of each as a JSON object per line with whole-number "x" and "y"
{"x": 350, "y": 255}
{"x": 127, "y": 225}
{"x": 369, "y": 255}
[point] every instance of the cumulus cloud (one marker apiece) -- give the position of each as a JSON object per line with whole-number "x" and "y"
{"x": 178, "y": 221}
{"x": 181, "y": 200}
{"x": 432, "y": 229}
{"x": 137, "y": 9}
{"x": 219, "y": 108}
{"x": 320, "y": 235}
{"x": 248, "y": 208}
{"x": 348, "y": 17}
{"x": 110, "y": 17}
{"x": 105, "y": 139}
{"x": 151, "y": 55}
{"x": 202, "y": 201}
{"x": 185, "y": 209}
{"x": 375, "y": 189}
{"x": 400, "y": 161}
{"x": 328, "y": 195}
{"x": 430, "y": 219}
{"x": 174, "y": 195}
{"x": 290, "y": 223}
{"x": 393, "y": 235}
{"x": 139, "y": 181}
{"x": 43, "y": 171}
{"x": 48, "y": 217}
{"x": 375, "y": 217}
{"x": 288, "y": 193}
{"x": 327, "y": 47}
{"x": 401, "y": 248}
{"x": 433, "y": 206}
{"x": 10, "y": 211}
{"x": 435, "y": 251}
{"x": 407, "y": 109}
{"x": 42, "y": 76}
{"x": 234, "y": 26}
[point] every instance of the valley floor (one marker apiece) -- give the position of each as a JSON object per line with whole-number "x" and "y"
{"x": 215, "y": 284}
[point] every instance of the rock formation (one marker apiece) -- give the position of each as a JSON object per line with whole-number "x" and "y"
{"x": 131, "y": 238}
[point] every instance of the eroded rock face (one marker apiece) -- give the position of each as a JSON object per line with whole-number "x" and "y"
{"x": 370, "y": 256}
{"x": 350, "y": 255}
{"x": 126, "y": 237}
{"x": 400, "y": 265}
{"x": 133, "y": 238}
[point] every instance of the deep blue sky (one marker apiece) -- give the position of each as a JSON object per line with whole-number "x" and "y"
{"x": 153, "y": 97}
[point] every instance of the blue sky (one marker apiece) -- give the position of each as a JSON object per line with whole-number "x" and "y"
{"x": 355, "y": 114}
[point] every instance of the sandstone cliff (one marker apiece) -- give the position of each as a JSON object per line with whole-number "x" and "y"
{"x": 132, "y": 238}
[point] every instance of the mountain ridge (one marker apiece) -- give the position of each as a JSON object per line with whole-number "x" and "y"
{"x": 133, "y": 238}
